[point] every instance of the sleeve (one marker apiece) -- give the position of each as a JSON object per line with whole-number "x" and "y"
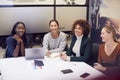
{"x": 11, "y": 45}
{"x": 45, "y": 42}
{"x": 87, "y": 53}
{"x": 69, "y": 51}
{"x": 62, "y": 45}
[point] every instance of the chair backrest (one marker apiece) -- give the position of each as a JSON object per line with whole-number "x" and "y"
{"x": 2, "y": 53}
{"x": 95, "y": 51}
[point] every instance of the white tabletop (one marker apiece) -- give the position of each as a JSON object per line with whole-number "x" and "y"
{"x": 21, "y": 69}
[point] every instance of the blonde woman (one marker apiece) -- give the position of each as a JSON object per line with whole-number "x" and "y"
{"x": 109, "y": 53}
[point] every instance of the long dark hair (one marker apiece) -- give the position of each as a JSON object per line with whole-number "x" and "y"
{"x": 13, "y": 32}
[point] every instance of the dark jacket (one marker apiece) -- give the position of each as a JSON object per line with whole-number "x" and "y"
{"x": 85, "y": 49}
{"x": 11, "y": 45}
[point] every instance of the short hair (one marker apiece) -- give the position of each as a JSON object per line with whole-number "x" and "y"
{"x": 53, "y": 21}
{"x": 84, "y": 24}
{"x": 111, "y": 29}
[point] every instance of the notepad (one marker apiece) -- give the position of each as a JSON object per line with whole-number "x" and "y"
{"x": 53, "y": 55}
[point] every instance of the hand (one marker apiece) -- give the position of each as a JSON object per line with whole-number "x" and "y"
{"x": 63, "y": 56}
{"x": 99, "y": 67}
{"x": 48, "y": 53}
{"x": 18, "y": 39}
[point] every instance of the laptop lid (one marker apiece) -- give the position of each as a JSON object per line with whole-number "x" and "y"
{"x": 34, "y": 53}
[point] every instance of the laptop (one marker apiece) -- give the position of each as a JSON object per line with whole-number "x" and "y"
{"x": 34, "y": 53}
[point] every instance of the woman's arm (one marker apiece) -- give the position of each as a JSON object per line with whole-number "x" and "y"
{"x": 87, "y": 53}
{"x": 16, "y": 51}
{"x": 45, "y": 41}
{"x": 18, "y": 45}
{"x": 22, "y": 48}
{"x": 12, "y": 48}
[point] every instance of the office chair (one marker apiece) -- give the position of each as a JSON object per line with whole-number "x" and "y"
{"x": 94, "y": 55}
{"x": 95, "y": 49}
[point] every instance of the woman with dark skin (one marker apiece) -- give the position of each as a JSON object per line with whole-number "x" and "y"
{"x": 17, "y": 41}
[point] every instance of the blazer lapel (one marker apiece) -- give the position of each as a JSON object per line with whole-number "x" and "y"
{"x": 81, "y": 47}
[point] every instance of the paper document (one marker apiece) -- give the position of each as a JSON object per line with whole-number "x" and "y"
{"x": 55, "y": 55}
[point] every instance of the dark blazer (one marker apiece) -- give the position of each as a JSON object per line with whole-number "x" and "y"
{"x": 85, "y": 50}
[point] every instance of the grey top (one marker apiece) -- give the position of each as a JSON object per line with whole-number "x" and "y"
{"x": 54, "y": 45}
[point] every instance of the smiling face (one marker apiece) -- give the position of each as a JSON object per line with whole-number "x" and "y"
{"x": 105, "y": 35}
{"x": 54, "y": 27}
{"x": 78, "y": 30}
{"x": 20, "y": 30}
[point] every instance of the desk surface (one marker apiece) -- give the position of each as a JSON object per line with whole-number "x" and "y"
{"x": 21, "y": 69}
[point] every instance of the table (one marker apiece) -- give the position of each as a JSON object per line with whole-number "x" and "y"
{"x": 22, "y": 69}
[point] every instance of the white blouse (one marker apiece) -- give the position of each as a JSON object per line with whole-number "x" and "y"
{"x": 76, "y": 48}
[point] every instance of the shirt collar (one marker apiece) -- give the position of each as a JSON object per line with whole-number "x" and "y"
{"x": 79, "y": 37}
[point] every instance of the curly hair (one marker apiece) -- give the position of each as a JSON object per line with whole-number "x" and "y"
{"x": 84, "y": 24}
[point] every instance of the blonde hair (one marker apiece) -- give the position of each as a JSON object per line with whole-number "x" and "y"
{"x": 111, "y": 29}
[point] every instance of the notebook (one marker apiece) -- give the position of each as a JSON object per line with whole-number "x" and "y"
{"x": 34, "y": 53}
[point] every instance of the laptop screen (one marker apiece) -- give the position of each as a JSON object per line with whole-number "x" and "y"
{"x": 34, "y": 53}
